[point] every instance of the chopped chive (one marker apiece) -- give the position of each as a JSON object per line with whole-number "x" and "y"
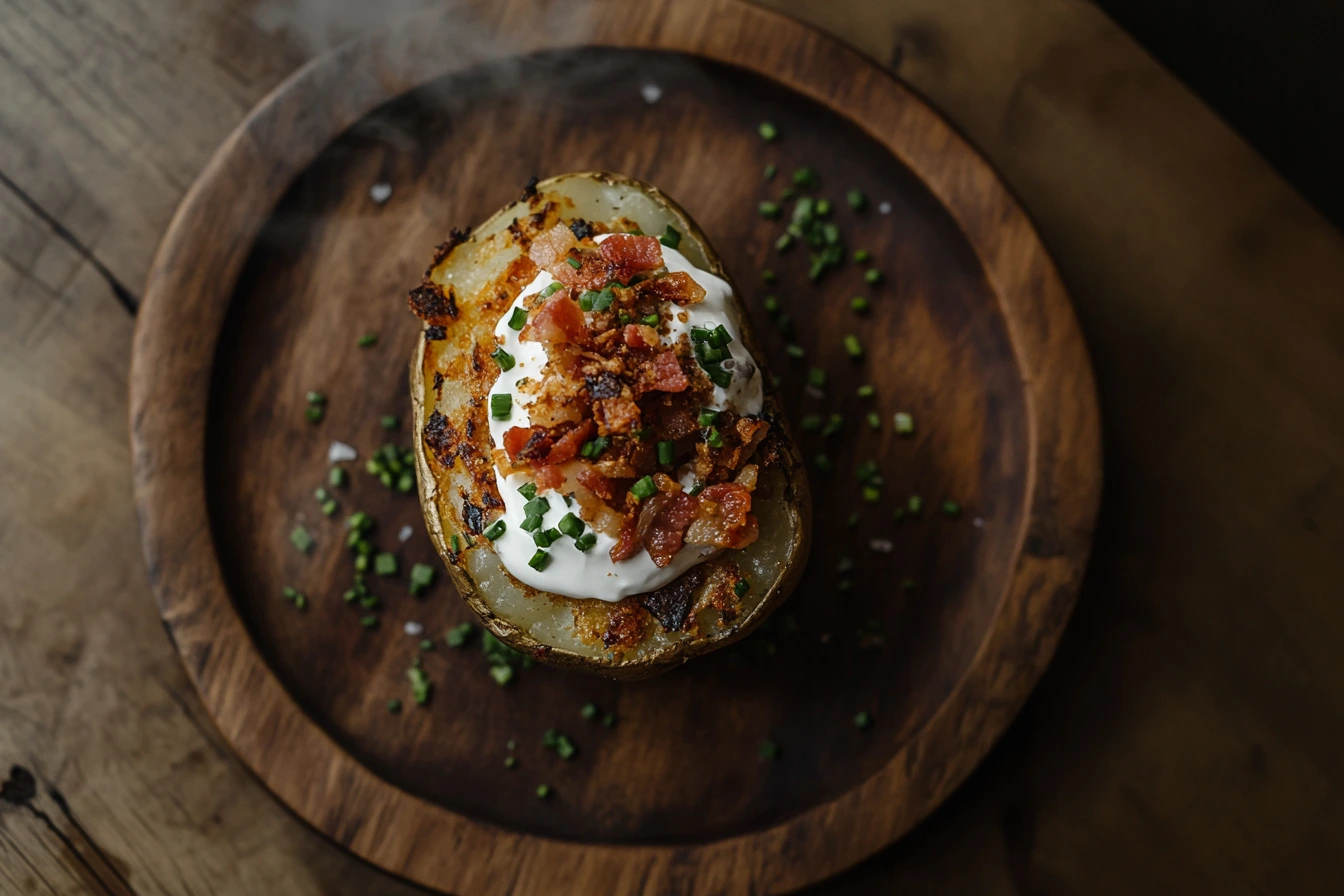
{"x": 336, "y": 478}
{"x": 874, "y": 420}
{"x": 537, "y": 507}
{"x": 644, "y": 488}
{"x": 795, "y": 351}
{"x": 769, "y": 133}
{"x": 866, "y": 391}
{"x": 804, "y": 177}
{"x": 503, "y": 359}
{"x": 501, "y": 674}
{"x": 859, "y": 305}
{"x": 455, "y": 544}
{"x": 369, "y": 620}
{"x": 422, "y": 576}
{"x": 518, "y": 319}
{"x": 770, "y": 171}
{"x": 420, "y": 685}
{"x": 546, "y": 294}
{"x": 510, "y": 761}
{"x": 301, "y": 539}
{"x": 406, "y": 481}
{"x": 742, "y": 587}
{"x": 570, "y": 525}
{"x": 872, "y": 495}
{"x": 862, "y": 256}
{"x": 389, "y": 422}
{"x": 914, "y": 505}
{"x": 707, "y": 417}
{"x": 459, "y": 635}
{"x": 320, "y": 494}
{"x": 843, "y": 585}
{"x": 650, "y": 320}
{"x": 768, "y": 209}
{"x": 714, "y": 438}
{"x": 546, "y": 537}
{"x": 671, "y": 237}
{"x": 368, "y": 339}
{"x": 328, "y": 507}
{"x": 768, "y": 275}
{"x": 385, "y": 564}
{"x": 771, "y": 305}
{"x": 574, "y": 263}
{"x": 539, "y": 560}
{"x": 872, "y": 276}
{"x": 531, "y": 522}
{"x": 609, "y": 720}
{"x": 314, "y": 413}
{"x": 769, "y": 750}
{"x": 863, "y": 721}
{"x": 394, "y": 706}
{"x": 852, "y": 346}
{"x": 905, "y": 424}
{"x": 585, "y": 541}
{"x": 666, "y": 452}
{"x": 426, "y": 644}
{"x": 856, "y": 199}
{"x": 824, "y": 209}
{"x": 623, "y": 317}
{"x": 811, "y": 423}
{"x": 528, "y": 490}
{"x": 316, "y": 398}
{"x": 785, "y": 240}
{"x": 589, "y": 711}
{"x": 952, "y": 508}
{"x": 495, "y": 529}
{"x": 833, "y": 425}
{"x": 501, "y": 406}
{"x": 816, "y": 377}
{"x": 786, "y": 194}
{"x": 822, "y": 464}
{"x": 361, "y": 562}
{"x": 543, "y": 791}
{"x": 593, "y": 449}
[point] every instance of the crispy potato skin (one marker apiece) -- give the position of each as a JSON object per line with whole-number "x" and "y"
{"x": 458, "y": 493}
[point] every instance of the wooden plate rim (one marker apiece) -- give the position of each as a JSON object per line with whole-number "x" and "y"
{"x": 188, "y": 291}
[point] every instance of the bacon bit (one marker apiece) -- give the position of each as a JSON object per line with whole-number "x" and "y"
{"x": 723, "y": 519}
{"x": 667, "y": 374}
{"x": 547, "y": 477}
{"x": 678, "y": 287}
{"x": 559, "y": 320}
{"x": 627, "y": 255}
{"x": 627, "y": 543}
{"x": 526, "y": 443}
{"x": 596, "y": 483}
{"x": 569, "y": 444}
{"x": 640, "y": 336}
{"x": 665, "y": 535}
{"x": 550, "y": 249}
{"x": 616, "y": 415}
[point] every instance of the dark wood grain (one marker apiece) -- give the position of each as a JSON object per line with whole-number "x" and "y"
{"x": 971, "y": 332}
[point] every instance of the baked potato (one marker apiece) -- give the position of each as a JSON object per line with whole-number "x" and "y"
{"x": 603, "y": 463}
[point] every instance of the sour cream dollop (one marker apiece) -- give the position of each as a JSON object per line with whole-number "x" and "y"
{"x": 591, "y": 573}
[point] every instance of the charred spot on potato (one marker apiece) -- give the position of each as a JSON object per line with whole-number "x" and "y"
{"x": 438, "y": 388}
{"x": 430, "y": 303}
{"x": 530, "y": 190}
{"x": 625, "y": 625}
{"x": 455, "y": 238}
{"x": 434, "y": 334}
{"x": 473, "y": 517}
{"x": 441, "y": 439}
{"x": 581, "y": 229}
{"x": 671, "y": 604}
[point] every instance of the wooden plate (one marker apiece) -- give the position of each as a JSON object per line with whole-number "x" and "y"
{"x": 279, "y": 258}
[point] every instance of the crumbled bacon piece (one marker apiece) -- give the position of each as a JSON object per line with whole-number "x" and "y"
{"x": 523, "y": 443}
{"x": 678, "y": 287}
{"x": 550, "y": 249}
{"x": 559, "y": 320}
{"x": 627, "y": 255}
{"x": 596, "y": 483}
{"x": 568, "y": 445}
{"x": 664, "y": 537}
{"x": 547, "y": 477}
{"x": 723, "y": 517}
{"x": 616, "y": 415}
{"x": 667, "y": 373}
{"x": 640, "y": 336}
{"x": 627, "y": 543}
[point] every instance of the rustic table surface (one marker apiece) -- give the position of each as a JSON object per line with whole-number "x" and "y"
{"x": 1189, "y": 736}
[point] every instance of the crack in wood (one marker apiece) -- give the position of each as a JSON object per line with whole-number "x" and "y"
{"x": 20, "y": 790}
{"x": 127, "y": 299}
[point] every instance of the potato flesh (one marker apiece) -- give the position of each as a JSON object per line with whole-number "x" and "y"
{"x": 472, "y": 269}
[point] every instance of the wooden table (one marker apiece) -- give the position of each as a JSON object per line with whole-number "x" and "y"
{"x": 1190, "y": 734}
